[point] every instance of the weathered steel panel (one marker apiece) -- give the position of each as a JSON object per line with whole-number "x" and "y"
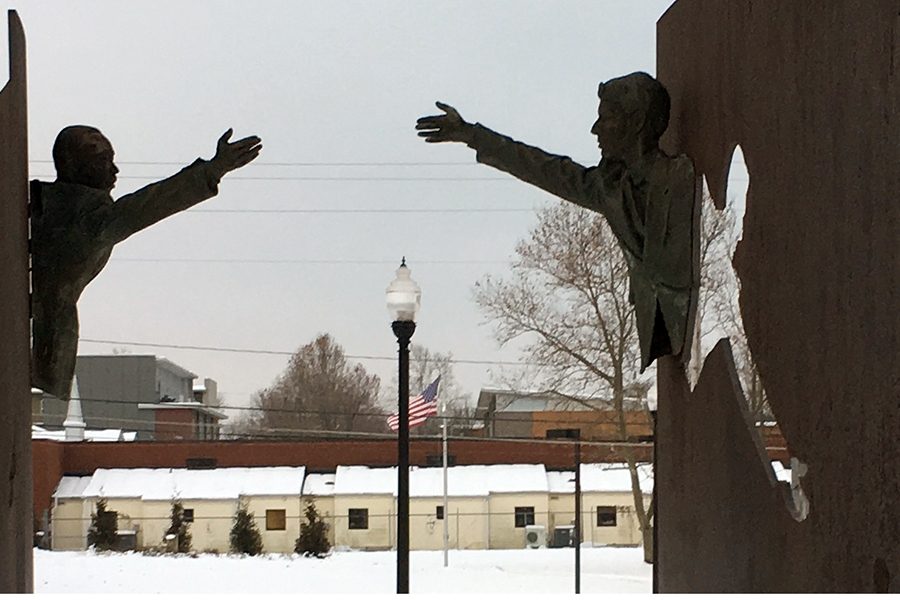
{"x": 810, "y": 92}
{"x": 16, "y": 527}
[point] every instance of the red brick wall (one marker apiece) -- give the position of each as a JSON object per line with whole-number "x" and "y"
{"x": 174, "y": 424}
{"x": 47, "y": 469}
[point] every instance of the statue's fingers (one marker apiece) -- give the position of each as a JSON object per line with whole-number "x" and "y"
{"x": 246, "y": 157}
{"x": 423, "y": 122}
{"x": 447, "y": 108}
{"x": 247, "y": 141}
{"x": 226, "y": 136}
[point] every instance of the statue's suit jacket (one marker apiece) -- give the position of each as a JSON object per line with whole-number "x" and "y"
{"x": 73, "y": 231}
{"x": 652, "y": 217}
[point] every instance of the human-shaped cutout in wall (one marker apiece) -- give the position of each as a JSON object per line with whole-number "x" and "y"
{"x": 719, "y": 311}
{"x": 646, "y": 196}
{"x": 75, "y": 223}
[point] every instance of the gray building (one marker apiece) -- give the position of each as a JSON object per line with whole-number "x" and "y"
{"x": 112, "y": 386}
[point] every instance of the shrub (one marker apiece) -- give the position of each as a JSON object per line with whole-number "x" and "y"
{"x": 313, "y": 540}
{"x": 245, "y": 537}
{"x": 104, "y": 524}
{"x": 179, "y": 527}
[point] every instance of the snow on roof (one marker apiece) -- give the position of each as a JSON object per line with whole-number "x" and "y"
{"x": 477, "y": 480}
{"x": 365, "y": 480}
{"x": 71, "y": 486}
{"x": 603, "y": 477}
{"x": 319, "y": 484}
{"x": 90, "y": 435}
{"x": 781, "y": 473}
{"x": 464, "y": 481}
{"x": 213, "y": 484}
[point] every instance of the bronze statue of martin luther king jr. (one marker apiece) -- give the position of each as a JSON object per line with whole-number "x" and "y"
{"x": 75, "y": 223}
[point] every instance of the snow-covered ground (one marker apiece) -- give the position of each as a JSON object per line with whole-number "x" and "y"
{"x": 603, "y": 570}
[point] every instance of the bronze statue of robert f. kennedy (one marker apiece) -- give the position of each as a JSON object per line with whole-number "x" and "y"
{"x": 646, "y": 196}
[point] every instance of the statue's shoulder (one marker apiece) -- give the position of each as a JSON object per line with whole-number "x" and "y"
{"x": 56, "y": 203}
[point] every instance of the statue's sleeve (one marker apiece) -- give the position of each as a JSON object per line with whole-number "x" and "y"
{"x": 594, "y": 188}
{"x": 148, "y": 205}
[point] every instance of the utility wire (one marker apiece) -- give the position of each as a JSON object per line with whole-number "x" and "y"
{"x": 496, "y": 417}
{"x": 257, "y": 163}
{"x": 281, "y": 433}
{"x": 312, "y": 178}
{"x": 359, "y": 211}
{"x": 286, "y": 353}
{"x": 304, "y": 261}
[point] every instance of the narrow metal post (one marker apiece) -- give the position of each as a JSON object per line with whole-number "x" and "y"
{"x": 578, "y": 512}
{"x": 403, "y": 330}
{"x": 574, "y": 434}
{"x": 446, "y": 512}
{"x": 655, "y": 510}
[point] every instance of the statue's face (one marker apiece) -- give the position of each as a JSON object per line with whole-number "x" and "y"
{"x": 93, "y": 164}
{"x": 614, "y": 130}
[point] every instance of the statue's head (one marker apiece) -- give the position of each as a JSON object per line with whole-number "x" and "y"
{"x": 83, "y": 155}
{"x": 632, "y": 115}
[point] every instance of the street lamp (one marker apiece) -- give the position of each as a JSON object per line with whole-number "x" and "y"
{"x": 403, "y": 298}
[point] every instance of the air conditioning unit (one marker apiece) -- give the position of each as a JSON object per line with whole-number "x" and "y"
{"x": 535, "y": 537}
{"x": 563, "y": 537}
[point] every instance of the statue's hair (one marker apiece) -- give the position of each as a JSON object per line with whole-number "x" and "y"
{"x": 68, "y": 143}
{"x": 644, "y": 94}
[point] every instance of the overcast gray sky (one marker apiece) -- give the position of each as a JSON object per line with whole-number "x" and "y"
{"x": 324, "y": 84}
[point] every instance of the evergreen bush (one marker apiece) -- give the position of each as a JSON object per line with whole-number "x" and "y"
{"x": 179, "y": 527}
{"x": 104, "y": 524}
{"x": 313, "y": 540}
{"x": 245, "y": 537}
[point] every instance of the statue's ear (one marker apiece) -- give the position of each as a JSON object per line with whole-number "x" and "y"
{"x": 600, "y": 89}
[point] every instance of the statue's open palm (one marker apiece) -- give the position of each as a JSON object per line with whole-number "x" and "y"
{"x": 234, "y": 155}
{"x": 449, "y": 127}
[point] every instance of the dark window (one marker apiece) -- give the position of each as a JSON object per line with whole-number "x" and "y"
{"x": 200, "y": 463}
{"x": 437, "y": 460}
{"x": 359, "y": 518}
{"x": 524, "y": 516}
{"x": 189, "y": 515}
{"x": 606, "y": 516}
{"x": 276, "y": 520}
{"x": 439, "y": 512}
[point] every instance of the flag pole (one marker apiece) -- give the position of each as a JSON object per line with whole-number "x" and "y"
{"x": 446, "y": 512}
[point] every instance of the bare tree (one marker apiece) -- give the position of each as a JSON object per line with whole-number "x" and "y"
{"x": 320, "y": 391}
{"x": 568, "y": 301}
{"x": 719, "y": 313}
{"x": 424, "y": 366}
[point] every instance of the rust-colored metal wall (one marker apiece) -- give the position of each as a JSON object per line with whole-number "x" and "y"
{"x": 15, "y": 397}
{"x": 809, "y": 90}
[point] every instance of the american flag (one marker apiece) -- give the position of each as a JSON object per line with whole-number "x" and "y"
{"x": 420, "y": 408}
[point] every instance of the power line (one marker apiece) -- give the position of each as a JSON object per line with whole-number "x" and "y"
{"x": 304, "y": 164}
{"x": 304, "y": 261}
{"x": 312, "y": 178}
{"x": 602, "y": 418}
{"x": 360, "y": 211}
{"x": 286, "y": 353}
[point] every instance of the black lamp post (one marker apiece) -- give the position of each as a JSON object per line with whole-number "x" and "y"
{"x": 403, "y": 298}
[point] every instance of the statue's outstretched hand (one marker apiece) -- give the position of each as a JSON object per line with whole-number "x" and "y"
{"x": 234, "y": 155}
{"x": 448, "y": 127}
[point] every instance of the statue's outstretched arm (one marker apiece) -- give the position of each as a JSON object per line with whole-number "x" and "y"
{"x": 559, "y": 175}
{"x": 192, "y": 185}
